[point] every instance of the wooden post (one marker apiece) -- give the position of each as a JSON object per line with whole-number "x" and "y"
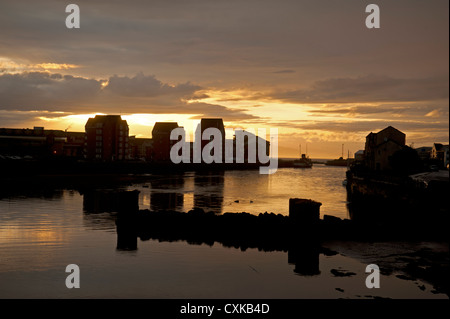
{"x": 304, "y": 211}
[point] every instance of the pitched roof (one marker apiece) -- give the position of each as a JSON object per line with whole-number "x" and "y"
{"x": 390, "y": 128}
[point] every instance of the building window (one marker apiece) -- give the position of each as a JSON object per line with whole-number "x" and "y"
{"x": 98, "y": 138}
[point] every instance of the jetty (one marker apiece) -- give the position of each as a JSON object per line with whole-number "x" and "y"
{"x": 265, "y": 231}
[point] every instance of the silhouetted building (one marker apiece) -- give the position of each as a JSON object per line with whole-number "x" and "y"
{"x": 74, "y": 144}
{"x": 439, "y": 152}
{"x": 381, "y": 146}
{"x": 106, "y": 138}
{"x": 31, "y": 143}
{"x": 424, "y": 152}
{"x": 250, "y": 142}
{"x": 141, "y": 148}
{"x": 359, "y": 155}
{"x": 213, "y": 123}
{"x": 161, "y": 140}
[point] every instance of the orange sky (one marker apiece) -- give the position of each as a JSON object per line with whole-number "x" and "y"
{"x": 309, "y": 68}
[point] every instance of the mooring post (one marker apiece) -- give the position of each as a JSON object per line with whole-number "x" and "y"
{"x": 304, "y": 211}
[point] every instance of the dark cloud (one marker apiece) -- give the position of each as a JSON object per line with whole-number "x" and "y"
{"x": 45, "y": 91}
{"x": 203, "y": 40}
{"x": 358, "y": 126}
{"x": 17, "y": 119}
{"x": 215, "y": 110}
{"x": 410, "y": 110}
{"x": 284, "y": 71}
{"x": 30, "y": 91}
{"x": 360, "y": 110}
{"x": 147, "y": 86}
{"x": 304, "y": 52}
{"x": 370, "y": 88}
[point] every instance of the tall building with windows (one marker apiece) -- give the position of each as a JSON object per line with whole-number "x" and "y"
{"x": 440, "y": 153}
{"x": 217, "y": 123}
{"x": 381, "y": 146}
{"x": 161, "y": 140}
{"x": 106, "y": 138}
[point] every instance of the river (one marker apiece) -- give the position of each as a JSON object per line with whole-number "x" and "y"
{"x": 42, "y": 232}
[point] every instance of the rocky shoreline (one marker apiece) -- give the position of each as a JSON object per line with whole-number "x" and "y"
{"x": 303, "y": 243}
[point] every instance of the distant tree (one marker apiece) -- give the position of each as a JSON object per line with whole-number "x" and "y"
{"x": 406, "y": 161}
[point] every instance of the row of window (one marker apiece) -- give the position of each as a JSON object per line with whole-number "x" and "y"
{"x": 99, "y": 156}
{"x": 99, "y": 150}
{"x": 99, "y": 138}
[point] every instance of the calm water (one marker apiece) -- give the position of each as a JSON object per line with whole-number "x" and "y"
{"x": 41, "y": 234}
{"x": 246, "y": 191}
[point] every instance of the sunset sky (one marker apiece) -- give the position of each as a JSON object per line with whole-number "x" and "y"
{"x": 310, "y": 68}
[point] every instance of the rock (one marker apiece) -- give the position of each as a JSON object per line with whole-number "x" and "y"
{"x": 340, "y": 273}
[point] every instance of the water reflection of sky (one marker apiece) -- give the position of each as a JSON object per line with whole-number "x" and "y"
{"x": 246, "y": 191}
{"x": 40, "y": 235}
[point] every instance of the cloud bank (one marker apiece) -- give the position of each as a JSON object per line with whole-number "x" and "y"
{"x": 30, "y": 91}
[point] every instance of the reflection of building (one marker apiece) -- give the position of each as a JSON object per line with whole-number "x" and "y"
{"x": 161, "y": 140}
{"x": 106, "y": 138}
{"x": 381, "y": 146}
{"x": 166, "y": 201}
{"x": 439, "y": 152}
{"x": 167, "y": 193}
{"x": 208, "y": 190}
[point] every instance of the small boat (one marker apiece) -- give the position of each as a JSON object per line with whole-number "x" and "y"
{"x": 303, "y": 162}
